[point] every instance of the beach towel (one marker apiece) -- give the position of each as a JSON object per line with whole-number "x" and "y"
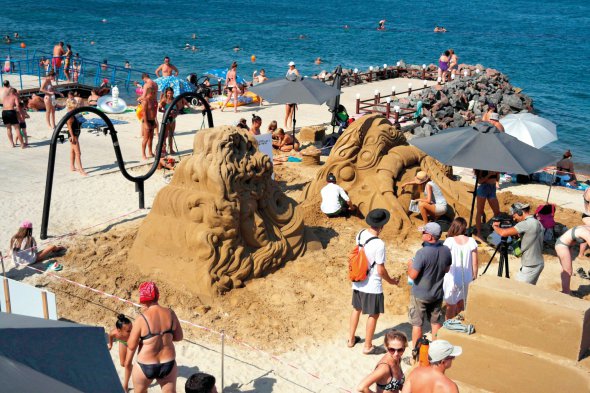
{"x": 98, "y": 123}
{"x": 458, "y": 326}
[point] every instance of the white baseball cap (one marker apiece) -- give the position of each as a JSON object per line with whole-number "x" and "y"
{"x": 439, "y": 350}
{"x": 291, "y": 63}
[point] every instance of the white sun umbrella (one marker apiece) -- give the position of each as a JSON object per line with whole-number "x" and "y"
{"x": 530, "y": 129}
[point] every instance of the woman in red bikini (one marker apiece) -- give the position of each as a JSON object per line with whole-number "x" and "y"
{"x": 154, "y": 333}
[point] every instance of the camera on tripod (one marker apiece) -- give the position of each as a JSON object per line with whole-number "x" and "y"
{"x": 504, "y": 219}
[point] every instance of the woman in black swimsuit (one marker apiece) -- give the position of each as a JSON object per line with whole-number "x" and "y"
{"x": 154, "y": 333}
{"x": 388, "y": 375}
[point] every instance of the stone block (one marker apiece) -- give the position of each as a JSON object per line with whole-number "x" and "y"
{"x": 312, "y": 134}
{"x": 501, "y": 367}
{"x": 530, "y": 316}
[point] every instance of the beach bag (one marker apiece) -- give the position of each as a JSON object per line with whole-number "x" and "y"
{"x": 358, "y": 265}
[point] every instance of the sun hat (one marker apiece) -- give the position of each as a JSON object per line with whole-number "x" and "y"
{"x": 377, "y": 218}
{"x": 26, "y": 224}
{"x": 494, "y": 116}
{"x": 421, "y": 177}
{"x": 439, "y": 350}
{"x": 432, "y": 228}
{"x": 148, "y": 292}
{"x": 291, "y": 63}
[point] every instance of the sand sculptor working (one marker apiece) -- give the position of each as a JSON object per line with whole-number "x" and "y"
{"x": 370, "y": 159}
{"x": 222, "y": 220}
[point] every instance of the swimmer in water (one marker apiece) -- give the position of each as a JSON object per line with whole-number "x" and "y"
{"x": 381, "y": 24}
{"x": 318, "y": 60}
{"x": 194, "y": 36}
{"x": 237, "y": 48}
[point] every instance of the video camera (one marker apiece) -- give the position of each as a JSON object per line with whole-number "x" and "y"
{"x": 504, "y": 219}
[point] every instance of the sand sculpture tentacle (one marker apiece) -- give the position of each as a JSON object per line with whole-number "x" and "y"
{"x": 222, "y": 220}
{"x": 371, "y": 159}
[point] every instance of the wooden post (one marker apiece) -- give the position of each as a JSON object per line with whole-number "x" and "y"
{"x": 358, "y": 105}
{"x": 395, "y": 117}
{"x": 370, "y": 78}
{"x": 219, "y": 86}
{"x": 388, "y": 110}
{"x": 45, "y": 307}
{"x": 356, "y": 78}
{"x": 423, "y": 73}
{"x": 7, "y": 296}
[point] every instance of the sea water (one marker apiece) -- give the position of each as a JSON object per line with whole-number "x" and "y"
{"x": 543, "y": 46}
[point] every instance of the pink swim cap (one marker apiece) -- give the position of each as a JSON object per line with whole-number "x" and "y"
{"x": 148, "y": 292}
{"x": 26, "y": 224}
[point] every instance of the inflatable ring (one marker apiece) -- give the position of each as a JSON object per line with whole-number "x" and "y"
{"x": 108, "y": 105}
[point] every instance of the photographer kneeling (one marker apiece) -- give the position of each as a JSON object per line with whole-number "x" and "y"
{"x": 530, "y": 231}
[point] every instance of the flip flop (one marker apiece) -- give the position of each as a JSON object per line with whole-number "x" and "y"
{"x": 357, "y": 339}
{"x": 582, "y": 273}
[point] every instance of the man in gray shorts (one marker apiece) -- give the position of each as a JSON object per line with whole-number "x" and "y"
{"x": 428, "y": 269}
{"x": 531, "y": 232}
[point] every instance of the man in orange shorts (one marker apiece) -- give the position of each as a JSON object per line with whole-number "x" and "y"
{"x": 58, "y": 52}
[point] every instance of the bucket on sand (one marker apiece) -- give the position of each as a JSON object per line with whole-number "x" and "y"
{"x": 311, "y": 156}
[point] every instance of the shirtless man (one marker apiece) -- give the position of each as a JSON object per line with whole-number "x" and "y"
{"x": 36, "y": 103}
{"x": 58, "y": 52}
{"x": 10, "y": 109}
{"x": 4, "y": 90}
{"x": 150, "y": 111}
{"x": 166, "y": 68}
{"x": 432, "y": 379}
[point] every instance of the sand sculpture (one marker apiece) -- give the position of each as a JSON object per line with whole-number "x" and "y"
{"x": 221, "y": 221}
{"x": 371, "y": 158}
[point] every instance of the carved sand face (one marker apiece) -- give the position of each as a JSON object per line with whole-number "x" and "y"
{"x": 222, "y": 214}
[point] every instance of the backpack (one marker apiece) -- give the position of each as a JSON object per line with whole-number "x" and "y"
{"x": 358, "y": 265}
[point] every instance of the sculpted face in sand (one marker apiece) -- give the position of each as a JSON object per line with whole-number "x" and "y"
{"x": 222, "y": 220}
{"x": 371, "y": 158}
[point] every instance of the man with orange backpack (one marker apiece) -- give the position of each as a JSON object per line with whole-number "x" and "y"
{"x": 366, "y": 270}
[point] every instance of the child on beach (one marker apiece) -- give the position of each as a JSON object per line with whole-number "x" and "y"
{"x": 24, "y": 248}
{"x": 22, "y": 116}
{"x": 121, "y": 334}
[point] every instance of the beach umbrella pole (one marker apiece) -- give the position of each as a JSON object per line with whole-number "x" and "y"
{"x": 473, "y": 203}
{"x": 294, "y": 121}
{"x": 551, "y": 185}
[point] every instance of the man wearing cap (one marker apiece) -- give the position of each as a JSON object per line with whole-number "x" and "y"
{"x": 427, "y": 269}
{"x": 531, "y": 232}
{"x": 335, "y": 201}
{"x": 495, "y": 121}
{"x": 367, "y": 295}
{"x": 432, "y": 378}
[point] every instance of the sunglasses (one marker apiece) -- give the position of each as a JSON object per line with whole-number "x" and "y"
{"x": 398, "y": 350}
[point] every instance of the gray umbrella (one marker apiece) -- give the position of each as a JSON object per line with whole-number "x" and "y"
{"x": 483, "y": 147}
{"x": 295, "y": 90}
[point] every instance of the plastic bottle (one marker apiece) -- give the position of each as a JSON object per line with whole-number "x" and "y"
{"x": 423, "y": 351}
{"x": 115, "y": 93}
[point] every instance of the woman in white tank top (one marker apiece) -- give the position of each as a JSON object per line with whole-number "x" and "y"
{"x": 433, "y": 204}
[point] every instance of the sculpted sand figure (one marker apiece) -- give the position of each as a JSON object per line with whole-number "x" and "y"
{"x": 371, "y": 158}
{"x": 222, "y": 220}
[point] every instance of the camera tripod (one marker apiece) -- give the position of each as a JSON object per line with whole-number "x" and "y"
{"x": 503, "y": 263}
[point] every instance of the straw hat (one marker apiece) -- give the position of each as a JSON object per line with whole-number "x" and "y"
{"x": 421, "y": 177}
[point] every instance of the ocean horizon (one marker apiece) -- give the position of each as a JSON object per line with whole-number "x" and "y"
{"x": 543, "y": 47}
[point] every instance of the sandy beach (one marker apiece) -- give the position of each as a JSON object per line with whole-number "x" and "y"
{"x": 298, "y": 314}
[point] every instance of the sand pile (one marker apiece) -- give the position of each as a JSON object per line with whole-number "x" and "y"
{"x": 221, "y": 221}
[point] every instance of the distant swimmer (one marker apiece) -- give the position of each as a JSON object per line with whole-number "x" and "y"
{"x": 194, "y": 36}
{"x": 187, "y": 46}
{"x": 104, "y": 21}
{"x": 382, "y": 24}
{"x": 345, "y": 27}
{"x": 91, "y": 42}
{"x": 194, "y": 48}
{"x": 16, "y": 35}
{"x": 302, "y": 37}
{"x": 318, "y": 60}
{"x": 236, "y": 48}
{"x": 7, "y": 39}
{"x": 439, "y": 29}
